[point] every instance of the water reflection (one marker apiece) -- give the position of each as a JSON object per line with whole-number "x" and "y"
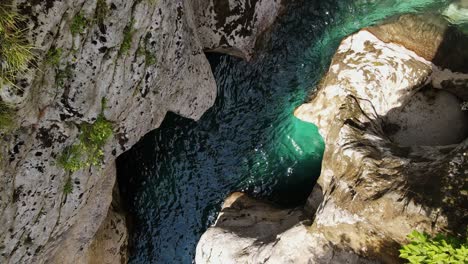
{"x": 175, "y": 179}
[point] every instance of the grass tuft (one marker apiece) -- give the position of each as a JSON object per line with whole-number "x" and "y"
{"x": 15, "y": 51}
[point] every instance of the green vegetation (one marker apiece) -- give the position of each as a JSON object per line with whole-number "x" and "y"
{"x": 72, "y": 158}
{"x": 89, "y": 150}
{"x": 150, "y": 58}
{"x": 439, "y": 249}
{"x": 68, "y": 187}
{"x": 79, "y": 24}
{"x": 63, "y": 74}
{"x": 6, "y": 117}
{"x": 53, "y": 56}
{"x": 15, "y": 51}
{"x": 127, "y": 39}
{"x": 101, "y": 11}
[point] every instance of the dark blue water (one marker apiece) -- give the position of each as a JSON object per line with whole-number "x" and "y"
{"x": 176, "y": 178}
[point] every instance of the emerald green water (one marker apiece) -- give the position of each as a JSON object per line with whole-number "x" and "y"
{"x": 176, "y": 178}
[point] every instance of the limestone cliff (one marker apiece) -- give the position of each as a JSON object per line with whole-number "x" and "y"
{"x": 129, "y": 61}
{"x": 390, "y": 112}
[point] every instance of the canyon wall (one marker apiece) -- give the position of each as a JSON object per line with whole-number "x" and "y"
{"x": 129, "y": 62}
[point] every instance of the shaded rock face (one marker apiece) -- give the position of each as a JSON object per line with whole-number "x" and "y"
{"x": 145, "y": 58}
{"x": 381, "y": 177}
{"x": 430, "y": 118}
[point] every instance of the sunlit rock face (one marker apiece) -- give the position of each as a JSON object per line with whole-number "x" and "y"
{"x": 252, "y": 231}
{"x": 390, "y": 113}
{"x": 162, "y": 68}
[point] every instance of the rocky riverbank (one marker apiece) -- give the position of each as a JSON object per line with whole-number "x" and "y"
{"x": 390, "y": 112}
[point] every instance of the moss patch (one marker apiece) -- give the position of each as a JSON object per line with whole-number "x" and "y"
{"x": 78, "y": 24}
{"x": 150, "y": 57}
{"x": 127, "y": 39}
{"x": 89, "y": 149}
{"x": 7, "y": 116}
{"x": 53, "y": 56}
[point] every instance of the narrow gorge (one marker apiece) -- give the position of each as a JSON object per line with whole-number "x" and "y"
{"x": 233, "y": 131}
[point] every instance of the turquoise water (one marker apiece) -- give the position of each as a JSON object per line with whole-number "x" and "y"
{"x": 176, "y": 178}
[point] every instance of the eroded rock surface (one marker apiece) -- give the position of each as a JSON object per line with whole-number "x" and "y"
{"x": 145, "y": 57}
{"x": 373, "y": 190}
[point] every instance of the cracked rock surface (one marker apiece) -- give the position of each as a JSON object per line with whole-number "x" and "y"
{"x": 145, "y": 57}
{"x": 374, "y": 187}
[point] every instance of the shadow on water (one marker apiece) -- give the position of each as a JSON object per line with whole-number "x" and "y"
{"x": 175, "y": 179}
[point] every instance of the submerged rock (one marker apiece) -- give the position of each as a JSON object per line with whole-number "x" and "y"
{"x": 132, "y": 62}
{"x": 387, "y": 170}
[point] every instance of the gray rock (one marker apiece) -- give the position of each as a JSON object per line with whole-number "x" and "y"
{"x": 164, "y": 69}
{"x": 378, "y": 183}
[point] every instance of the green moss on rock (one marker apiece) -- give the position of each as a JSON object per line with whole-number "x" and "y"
{"x": 89, "y": 150}
{"x": 7, "y": 115}
{"x": 53, "y": 56}
{"x": 78, "y": 24}
{"x": 127, "y": 39}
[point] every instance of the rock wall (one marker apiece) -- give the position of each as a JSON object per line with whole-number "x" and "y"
{"x": 145, "y": 57}
{"x": 377, "y": 182}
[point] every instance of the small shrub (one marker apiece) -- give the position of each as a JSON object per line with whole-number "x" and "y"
{"x": 89, "y": 150}
{"x": 439, "y": 249}
{"x": 72, "y": 158}
{"x": 127, "y": 39}
{"x": 53, "y": 56}
{"x": 15, "y": 51}
{"x": 78, "y": 24}
{"x": 94, "y": 137}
